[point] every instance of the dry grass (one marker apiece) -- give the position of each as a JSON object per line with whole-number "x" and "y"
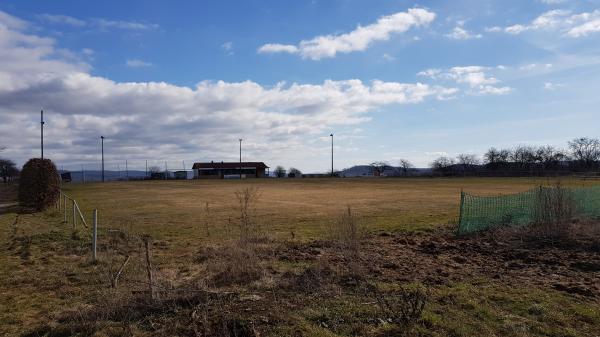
{"x": 45, "y": 267}
{"x": 177, "y": 208}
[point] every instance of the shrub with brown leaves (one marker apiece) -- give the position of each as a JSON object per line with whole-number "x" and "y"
{"x": 39, "y": 186}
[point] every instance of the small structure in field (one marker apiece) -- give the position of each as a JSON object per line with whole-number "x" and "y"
{"x": 183, "y": 175}
{"x": 231, "y": 170}
{"x": 66, "y": 177}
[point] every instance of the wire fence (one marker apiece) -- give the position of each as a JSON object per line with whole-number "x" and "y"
{"x": 125, "y": 170}
{"x": 74, "y": 213}
{"x": 479, "y": 213}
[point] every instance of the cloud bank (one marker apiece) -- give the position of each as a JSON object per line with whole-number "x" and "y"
{"x": 149, "y": 120}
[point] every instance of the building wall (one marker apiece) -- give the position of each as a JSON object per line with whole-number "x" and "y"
{"x": 220, "y": 173}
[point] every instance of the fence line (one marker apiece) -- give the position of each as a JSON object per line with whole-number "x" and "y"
{"x": 478, "y": 213}
{"x": 76, "y": 212}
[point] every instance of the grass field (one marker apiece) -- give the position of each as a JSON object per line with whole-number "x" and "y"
{"x": 45, "y": 267}
{"x": 178, "y": 209}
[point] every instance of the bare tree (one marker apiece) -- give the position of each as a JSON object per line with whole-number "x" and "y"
{"x": 154, "y": 169}
{"x": 549, "y": 157}
{"x": 8, "y": 170}
{"x": 586, "y": 151}
{"x": 294, "y": 173}
{"x": 524, "y": 156}
{"x": 467, "y": 159}
{"x": 442, "y": 164}
{"x": 467, "y": 162}
{"x": 279, "y": 172}
{"x": 496, "y": 158}
{"x": 406, "y": 166}
{"x": 379, "y": 167}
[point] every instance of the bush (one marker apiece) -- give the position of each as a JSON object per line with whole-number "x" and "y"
{"x": 554, "y": 208}
{"x": 39, "y": 186}
{"x": 347, "y": 232}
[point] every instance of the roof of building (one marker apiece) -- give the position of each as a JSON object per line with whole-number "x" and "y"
{"x": 231, "y": 165}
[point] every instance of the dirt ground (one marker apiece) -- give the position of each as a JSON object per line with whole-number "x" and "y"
{"x": 8, "y": 198}
{"x": 318, "y": 289}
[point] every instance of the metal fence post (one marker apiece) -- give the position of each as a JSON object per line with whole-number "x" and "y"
{"x": 74, "y": 218}
{"x": 94, "y": 234}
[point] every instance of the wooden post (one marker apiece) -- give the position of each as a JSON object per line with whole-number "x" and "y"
{"x": 80, "y": 215}
{"x": 116, "y": 277}
{"x": 149, "y": 267}
{"x": 94, "y": 234}
{"x": 74, "y": 218}
{"x": 65, "y": 206}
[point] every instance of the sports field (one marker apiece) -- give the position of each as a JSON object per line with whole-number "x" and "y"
{"x": 302, "y": 206}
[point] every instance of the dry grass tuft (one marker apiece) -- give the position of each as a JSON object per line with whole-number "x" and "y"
{"x": 239, "y": 262}
{"x": 403, "y": 308}
{"x": 234, "y": 265}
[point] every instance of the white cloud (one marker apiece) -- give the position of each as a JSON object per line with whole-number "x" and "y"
{"x": 135, "y": 63}
{"x": 128, "y": 25}
{"x": 12, "y": 22}
{"x": 459, "y": 33}
{"x": 98, "y": 23}
{"x": 328, "y": 46}
{"x": 553, "y": 2}
{"x": 62, "y": 19}
{"x": 87, "y": 51}
{"x": 277, "y": 48}
{"x": 590, "y": 23}
{"x": 535, "y": 66}
{"x": 562, "y": 21}
{"x": 227, "y": 45}
{"x": 551, "y": 86}
{"x": 476, "y": 79}
{"x": 157, "y": 120}
{"x": 388, "y": 57}
{"x": 494, "y": 29}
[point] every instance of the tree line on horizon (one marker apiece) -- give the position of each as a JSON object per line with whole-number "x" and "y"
{"x": 582, "y": 154}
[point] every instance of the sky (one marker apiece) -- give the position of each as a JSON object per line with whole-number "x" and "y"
{"x": 182, "y": 82}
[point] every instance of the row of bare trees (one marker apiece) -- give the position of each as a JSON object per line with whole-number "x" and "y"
{"x": 583, "y": 154}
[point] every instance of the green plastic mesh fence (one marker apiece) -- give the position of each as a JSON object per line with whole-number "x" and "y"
{"x": 479, "y": 213}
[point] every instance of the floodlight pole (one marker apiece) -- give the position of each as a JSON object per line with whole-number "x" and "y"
{"x": 102, "y": 138}
{"x": 42, "y": 132}
{"x": 240, "y": 158}
{"x": 331, "y": 135}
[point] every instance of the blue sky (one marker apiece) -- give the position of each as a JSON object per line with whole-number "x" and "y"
{"x": 391, "y": 79}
